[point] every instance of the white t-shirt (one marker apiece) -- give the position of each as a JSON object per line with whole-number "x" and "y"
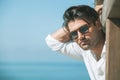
{"x": 96, "y": 69}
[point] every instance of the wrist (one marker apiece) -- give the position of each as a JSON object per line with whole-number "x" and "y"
{"x": 66, "y": 30}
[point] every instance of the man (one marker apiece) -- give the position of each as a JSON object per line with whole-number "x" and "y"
{"x": 81, "y": 37}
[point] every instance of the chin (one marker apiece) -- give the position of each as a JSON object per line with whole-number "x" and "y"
{"x": 85, "y": 48}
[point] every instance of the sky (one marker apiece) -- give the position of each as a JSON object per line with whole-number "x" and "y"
{"x": 24, "y": 25}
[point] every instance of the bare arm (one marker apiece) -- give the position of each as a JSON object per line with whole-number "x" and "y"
{"x": 98, "y": 8}
{"x": 61, "y": 35}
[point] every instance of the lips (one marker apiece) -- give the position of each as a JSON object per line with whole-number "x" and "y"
{"x": 83, "y": 42}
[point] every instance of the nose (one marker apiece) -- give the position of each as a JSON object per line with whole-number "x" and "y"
{"x": 81, "y": 36}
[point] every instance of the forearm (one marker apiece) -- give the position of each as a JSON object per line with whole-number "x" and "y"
{"x": 61, "y": 35}
{"x": 70, "y": 49}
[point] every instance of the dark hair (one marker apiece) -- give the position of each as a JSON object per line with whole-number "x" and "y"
{"x": 83, "y": 12}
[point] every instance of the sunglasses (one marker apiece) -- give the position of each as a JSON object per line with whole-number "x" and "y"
{"x": 83, "y": 29}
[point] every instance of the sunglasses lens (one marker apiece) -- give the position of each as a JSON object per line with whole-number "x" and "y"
{"x": 73, "y": 34}
{"x": 84, "y": 29}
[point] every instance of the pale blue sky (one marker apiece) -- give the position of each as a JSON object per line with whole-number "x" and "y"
{"x": 24, "y": 24}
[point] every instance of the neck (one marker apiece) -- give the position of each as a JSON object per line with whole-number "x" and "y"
{"x": 97, "y": 50}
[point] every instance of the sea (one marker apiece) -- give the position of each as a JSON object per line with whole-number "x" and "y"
{"x": 43, "y": 71}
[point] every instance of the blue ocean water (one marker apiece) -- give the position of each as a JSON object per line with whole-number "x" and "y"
{"x": 43, "y": 71}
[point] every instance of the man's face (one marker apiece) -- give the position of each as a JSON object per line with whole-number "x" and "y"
{"x": 84, "y": 34}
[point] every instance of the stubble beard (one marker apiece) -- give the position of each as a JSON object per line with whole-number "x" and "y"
{"x": 89, "y": 45}
{"x": 85, "y": 46}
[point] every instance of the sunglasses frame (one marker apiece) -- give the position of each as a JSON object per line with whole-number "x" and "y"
{"x": 83, "y": 29}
